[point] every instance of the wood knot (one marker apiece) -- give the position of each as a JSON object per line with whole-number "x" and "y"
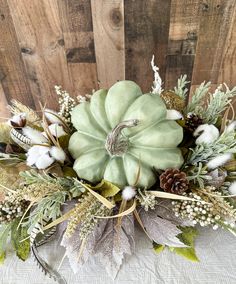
{"x": 26, "y": 50}
{"x": 2, "y": 17}
{"x": 205, "y": 7}
{"x": 61, "y": 42}
{"x": 116, "y": 17}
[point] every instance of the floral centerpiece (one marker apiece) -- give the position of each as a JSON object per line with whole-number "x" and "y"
{"x": 114, "y": 159}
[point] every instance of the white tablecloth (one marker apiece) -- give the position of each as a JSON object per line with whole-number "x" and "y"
{"x": 216, "y": 250}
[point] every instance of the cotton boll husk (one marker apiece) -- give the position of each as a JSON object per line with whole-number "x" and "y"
{"x": 44, "y": 161}
{"x": 56, "y": 130}
{"x": 173, "y": 114}
{"x": 18, "y": 120}
{"x": 52, "y": 116}
{"x": 207, "y": 134}
{"x": 232, "y": 188}
{"x": 35, "y": 135}
{"x": 58, "y": 154}
{"x": 128, "y": 193}
{"x": 219, "y": 160}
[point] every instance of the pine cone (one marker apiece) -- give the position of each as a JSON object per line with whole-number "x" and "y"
{"x": 193, "y": 121}
{"x": 173, "y": 101}
{"x": 173, "y": 181}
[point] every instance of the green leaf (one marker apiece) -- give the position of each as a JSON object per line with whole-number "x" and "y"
{"x": 187, "y": 236}
{"x": 2, "y": 257}
{"x": 4, "y": 233}
{"x": 106, "y": 188}
{"x": 21, "y": 247}
{"x": 158, "y": 248}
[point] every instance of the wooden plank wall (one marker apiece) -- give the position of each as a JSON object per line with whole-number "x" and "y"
{"x": 85, "y": 44}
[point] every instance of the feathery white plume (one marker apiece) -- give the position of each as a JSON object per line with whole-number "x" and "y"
{"x": 52, "y": 116}
{"x": 232, "y": 188}
{"x": 219, "y": 160}
{"x": 207, "y": 133}
{"x": 156, "y": 89}
{"x": 58, "y": 154}
{"x": 230, "y": 127}
{"x": 128, "y": 193}
{"x": 35, "y": 135}
{"x": 56, "y": 130}
{"x": 173, "y": 114}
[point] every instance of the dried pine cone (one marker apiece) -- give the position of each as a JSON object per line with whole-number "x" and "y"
{"x": 173, "y": 101}
{"x": 174, "y": 181}
{"x": 193, "y": 121}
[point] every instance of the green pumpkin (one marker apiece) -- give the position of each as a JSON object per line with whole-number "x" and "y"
{"x": 121, "y": 131}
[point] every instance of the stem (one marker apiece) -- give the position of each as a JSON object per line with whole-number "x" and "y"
{"x": 116, "y": 145}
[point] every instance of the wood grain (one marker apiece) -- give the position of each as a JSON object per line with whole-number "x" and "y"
{"x": 77, "y": 28}
{"x": 184, "y": 25}
{"x": 4, "y": 112}
{"x": 227, "y": 71}
{"x": 146, "y": 33}
{"x": 40, "y": 38}
{"x": 12, "y": 72}
{"x": 108, "y": 26}
{"x": 215, "y": 19}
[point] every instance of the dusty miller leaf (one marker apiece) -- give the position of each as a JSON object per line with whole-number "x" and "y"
{"x": 116, "y": 241}
{"x": 164, "y": 210}
{"x": 160, "y": 230}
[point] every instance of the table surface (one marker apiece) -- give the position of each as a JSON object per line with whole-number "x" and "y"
{"x": 216, "y": 250}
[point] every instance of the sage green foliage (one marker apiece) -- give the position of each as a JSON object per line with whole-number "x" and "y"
{"x": 205, "y": 104}
{"x": 19, "y": 242}
{"x": 49, "y": 206}
{"x": 196, "y": 103}
{"x": 217, "y": 103}
{"x": 4, "y": 234}
{"x": 226, "y": 143}
{"x": 199, "y": 175}
{"x": 152, "y": 143}
{"x": 181, "y": 89}
{"x": 69, "y": 185}
{"x": 16, "y": 235}
{"x": 187, "y": 236}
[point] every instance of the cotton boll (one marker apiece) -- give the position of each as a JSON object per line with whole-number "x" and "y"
{"x": 35, "y": 135}
{"x": 207, "y": 134}
{"x": 58, "y": 154}
{"x": 232, "y": 188}
{"x": 173, "y": 114}
{"x": 56, "y": 130}
{"x": 128, "y": 193}
{"x": 44, "y": 161}
{"x": 35, "y": 153}
{"x": 52, "y": 116}
{"x": 219, "y": 161}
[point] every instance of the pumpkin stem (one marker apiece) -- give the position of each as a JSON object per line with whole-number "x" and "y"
{"x": 117, "y": 145}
